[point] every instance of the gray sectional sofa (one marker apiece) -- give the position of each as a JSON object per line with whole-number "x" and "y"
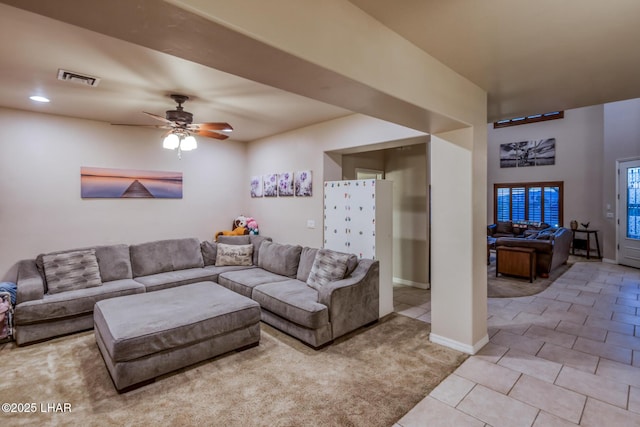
{"x": 276, "y": 277}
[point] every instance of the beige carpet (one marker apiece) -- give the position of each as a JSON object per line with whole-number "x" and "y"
{"x": 512, "y": 287}
{"x": 370, "y": 378}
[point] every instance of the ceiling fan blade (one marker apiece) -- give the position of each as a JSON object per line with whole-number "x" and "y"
{"x": 144, "y": 126}
{"x": 213, "y": 126}
{"x": 157, "y": 117}
{"x": 210, "y": 134}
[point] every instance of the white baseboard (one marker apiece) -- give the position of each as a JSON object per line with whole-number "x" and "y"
{"x": 465, "y": 348}
{"x": 609, "y": 261}
{"x": 411, "y": 283}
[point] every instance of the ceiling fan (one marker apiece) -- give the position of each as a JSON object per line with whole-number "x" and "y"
{"x": 181, "y": 127}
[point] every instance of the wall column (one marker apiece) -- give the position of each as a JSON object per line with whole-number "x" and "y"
{"x": 458, "y": 236}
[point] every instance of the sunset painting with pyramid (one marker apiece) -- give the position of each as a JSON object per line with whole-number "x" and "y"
{"x": 129, "y": 183}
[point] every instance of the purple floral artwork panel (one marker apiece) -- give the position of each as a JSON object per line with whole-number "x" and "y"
{"x": 303, "y": 183}
{"x": 285, "y": 184}
{"x": 271, "y": 185}
{"x": 256, "y": 186}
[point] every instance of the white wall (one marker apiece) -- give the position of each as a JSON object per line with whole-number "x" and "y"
{"x": 454, "y": 173}
{"x": 589, "y": 141}
{"x": 407, "y": 168}
{"x": 621, "y": 141}
{"x": 373, "y": 160}
{"x": 353, "y": 61}
{"x": 579, "y": 150}
{"x": 285, "y": 218}
{"x": 41, "y": 207}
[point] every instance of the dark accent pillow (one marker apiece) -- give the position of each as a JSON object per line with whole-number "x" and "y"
{"x": 504, "y": 227}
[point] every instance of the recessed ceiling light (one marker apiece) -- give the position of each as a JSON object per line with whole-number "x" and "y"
{"x": 39, "y": 98}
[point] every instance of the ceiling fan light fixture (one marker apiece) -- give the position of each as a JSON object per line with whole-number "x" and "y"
{"x": 39, "y": 98}
{"x": 189, "y": 143}
{"x": 171, "y": 142}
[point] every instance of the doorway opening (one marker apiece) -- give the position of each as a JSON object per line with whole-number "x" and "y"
{"x": 406, "y": 164}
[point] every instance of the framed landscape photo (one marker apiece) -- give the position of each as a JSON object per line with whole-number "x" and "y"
{"x": 129, "y": 184}
{"x": 540, "y": 152}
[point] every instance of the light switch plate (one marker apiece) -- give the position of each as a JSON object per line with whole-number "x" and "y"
{"x": 311, "y": 223}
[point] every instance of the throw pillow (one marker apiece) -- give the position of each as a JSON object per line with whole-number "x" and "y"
{"x": 234, "y": 255}
{"x": 327, "y": 267}
{"x": 209, "y": 252}
{"x": 504, "y": 227}
{"x": 71, "y": 271}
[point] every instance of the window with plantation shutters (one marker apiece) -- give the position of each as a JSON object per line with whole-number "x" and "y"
{"x": 530, "y": 201}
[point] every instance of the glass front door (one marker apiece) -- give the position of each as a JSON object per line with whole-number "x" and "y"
{"x": 629, "y": 228}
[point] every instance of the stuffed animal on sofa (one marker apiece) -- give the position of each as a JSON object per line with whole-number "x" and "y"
{"x": 252, "y": 226}
{"x": 239, "y": 228}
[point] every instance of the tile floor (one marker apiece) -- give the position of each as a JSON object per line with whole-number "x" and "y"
{"x": 567, "y": 356}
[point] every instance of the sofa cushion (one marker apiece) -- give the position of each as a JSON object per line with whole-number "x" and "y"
{"x": 165, "y": 255}
{"x": 186, "y": 253}
{"x": 294, "y": 301}
{"x": 307, "y": 256}
{"x": 280, "y": 259}
{"x": 72, "y": 303}
{"x": 256, "y": 241}
{"x": 234, "y": 240}
{"x": 328, "y": 266}
{"x": 209, "y": 252}
{"x": 71, "y": 271}
{"x": 114, "y": 262}
{"x": 244, "y": 281}
{"x": 234, "y": 254}
{"x": 171, "y": 279}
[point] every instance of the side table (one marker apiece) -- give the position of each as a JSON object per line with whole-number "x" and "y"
{"x": 491, "y": 244}
{"x": 588, "y": 232}
{"x": 516, "y": 261}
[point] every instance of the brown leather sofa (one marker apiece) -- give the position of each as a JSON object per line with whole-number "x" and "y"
{"x": 552, "y": 247}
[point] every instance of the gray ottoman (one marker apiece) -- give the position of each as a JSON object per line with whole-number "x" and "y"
{"x": 146, "y": 335}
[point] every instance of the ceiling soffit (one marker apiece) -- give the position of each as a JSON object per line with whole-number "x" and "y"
{"x": 233, "y": 53}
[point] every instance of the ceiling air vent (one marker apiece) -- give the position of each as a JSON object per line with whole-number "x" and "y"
{"x": 70, "y": 76}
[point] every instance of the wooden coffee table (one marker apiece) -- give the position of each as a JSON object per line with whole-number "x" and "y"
{"x": 516, "y": 261}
